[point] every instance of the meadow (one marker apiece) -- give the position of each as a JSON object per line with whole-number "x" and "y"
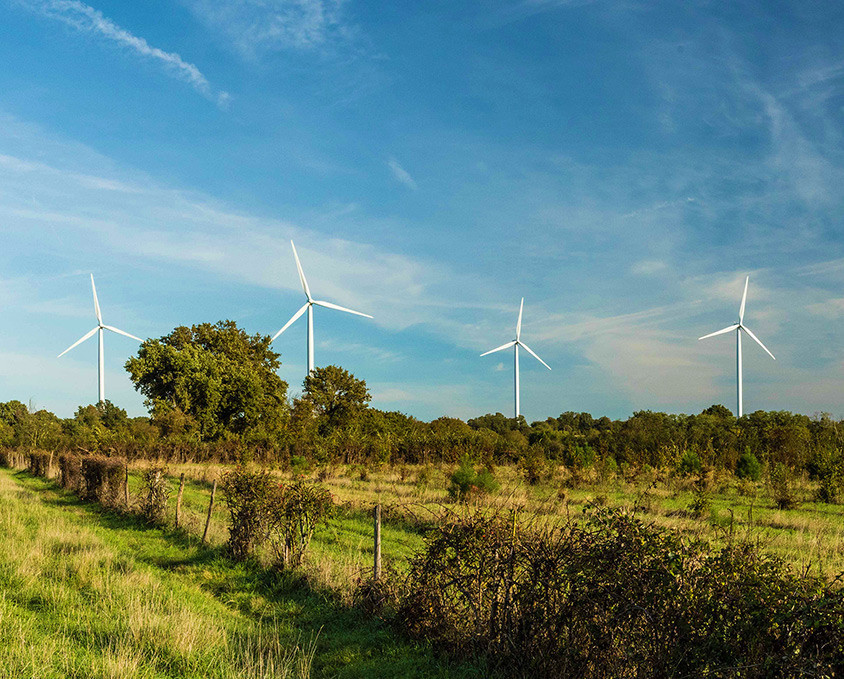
{"x": 101, "y": 593}
{"x": 808, "y": 537}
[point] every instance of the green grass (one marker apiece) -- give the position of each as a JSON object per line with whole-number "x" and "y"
{"x": 809, "y": 536}
{"x": 88, "y": 593}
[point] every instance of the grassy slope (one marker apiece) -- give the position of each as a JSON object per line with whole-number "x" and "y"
{"x": 90, "y": 594}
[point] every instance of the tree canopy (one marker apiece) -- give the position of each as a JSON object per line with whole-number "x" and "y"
{"x": 213, "y": 379}
{"x": 335, "y": 396}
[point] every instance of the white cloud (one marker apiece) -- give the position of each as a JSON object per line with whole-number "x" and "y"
{"x": 89, "y": 20}
{"x": 401, "y": 175}
{"x": 134, "y": 219}
{"x": 257, "y": 26}
{"x": 648, "y": 267}
{"x": 832, "y": 308}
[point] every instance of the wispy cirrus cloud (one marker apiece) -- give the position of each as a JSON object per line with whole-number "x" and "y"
{"x": 401, "y": 175}
{"x": 87, "y": 19}
{"x": 258, "y": 26}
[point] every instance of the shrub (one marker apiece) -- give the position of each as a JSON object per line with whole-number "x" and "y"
{"x": 533, "y": 466}
{"x": 299, "y": 465}
{"x": 466, "y": 481}
{"x": 39, "y": 463}
{"x": 701, "y": 497}
{"x": 104, "y": 479}
{"x": 689, "y": 464}
{"x": 249, "y": 496}
{"x": 749, "y": 467}
{"x": 782, "y": 487}
{"x": 828, "y": 468}
{"x": 607, "y": 469}
{"x": 153, "y": 495}
{"x": 295, "y": 512}
{"x": 70, "y": 472}
{"x": 614, "y": 597}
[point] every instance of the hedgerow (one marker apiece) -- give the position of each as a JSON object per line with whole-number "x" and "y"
{"x": 613, "y": 597}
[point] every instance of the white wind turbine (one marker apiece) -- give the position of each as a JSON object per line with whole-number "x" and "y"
{"x": 99, "y": 329}
{"x": 516, "y": 343}
{"x": 739, "y": 327}
{"x": 309, "y": 307}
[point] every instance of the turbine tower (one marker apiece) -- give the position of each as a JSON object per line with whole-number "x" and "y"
{"x": 309, "y": 307}
{"x": 98, "y": 329}
{"x": 739, "y": 327}
{"x": 516, "y": 343}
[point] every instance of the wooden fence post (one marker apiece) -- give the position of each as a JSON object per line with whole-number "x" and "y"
{"x": 376, "y": 515}
{"x": 210, "y": 507}
{"x": 126, "y": 487}
{"x": 179, "y": 498}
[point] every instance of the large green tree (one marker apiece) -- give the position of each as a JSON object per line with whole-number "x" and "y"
{"x": 222, "y": 380}
{"x": 335, "y": 396}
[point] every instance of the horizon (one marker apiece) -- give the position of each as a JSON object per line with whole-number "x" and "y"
{"x": 621, "y": 167}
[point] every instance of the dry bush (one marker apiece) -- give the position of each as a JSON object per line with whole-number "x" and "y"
{"x": 153, "y": 495}
{"x": 70, "y": 472}
{"x": 104, "y": 479}
{"x": 616, "y": 598}
{"x": 249, "y": 496}
{"x": 782, "y": 485}
{"x": 39, "y": 463}
{"x": 261, "y": 509}
{"x": 296, "y": 510}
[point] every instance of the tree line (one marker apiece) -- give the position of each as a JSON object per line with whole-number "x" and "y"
{"x": 213, "y": 394}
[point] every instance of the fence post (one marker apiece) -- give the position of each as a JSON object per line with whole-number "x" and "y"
{"x": 179, "y": 498}
{"x": 376, "y": 515}
{"x": 210, "y": 507}
{"x": 126, "y": 486}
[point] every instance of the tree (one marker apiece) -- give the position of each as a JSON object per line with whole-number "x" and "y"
{"x": 216, "y": 376}
{"x": 335, "y": 396}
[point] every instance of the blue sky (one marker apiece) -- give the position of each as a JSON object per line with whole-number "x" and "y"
{"x": 623, "y": 165}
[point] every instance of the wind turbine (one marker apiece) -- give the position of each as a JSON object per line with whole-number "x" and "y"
{"x": 739, "y": 327}
{"x": 516, "y": 343}
{"x": 99, "y": 329}
{"x": 309, "y": 307}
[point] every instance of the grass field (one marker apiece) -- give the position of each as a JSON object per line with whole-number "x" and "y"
{"x": 810, "y": 536}
{"x": 88, "y": 593}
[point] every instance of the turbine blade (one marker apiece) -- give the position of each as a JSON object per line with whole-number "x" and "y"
{"x": 743, "y": 300}
{"x": 305, "y": 287}
{"x": 519, "y": 323}
{"x": 292, "y": 320}
{"x": 79, "y": 341}
{"x": 121, "y": 332}
{"x": 758, "y": 341}
{"x": 96, "y": 301}
{"x": 329, "y": 305}
{"x": 532, "y": 353}
{"x": 720, "y": 332}
{"x": 503, "y": 346}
